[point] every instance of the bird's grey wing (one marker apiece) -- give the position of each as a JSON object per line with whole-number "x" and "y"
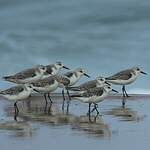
{"x": 12, "y": 90}
{"x": 43, "y": 82}
{"x": 28, "y": 73}
{"x": 88, "y": 85}
{"x": 62, "y": 79}
{"x": 123, "y": 75}
{"x": 93, "y": 92}
{"x": 68, "y": 74}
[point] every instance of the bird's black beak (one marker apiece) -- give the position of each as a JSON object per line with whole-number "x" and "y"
{"x": 115, "y": 91}
{"x": 86, "y": 75}
{"x": 66, "y": 67}
{"x": 107, "y": 83}
{"x": 143, "y": 73}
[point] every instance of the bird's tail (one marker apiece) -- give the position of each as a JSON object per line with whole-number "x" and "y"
{"x": 7, "y": 78}
{"x": 10, "y": 79}
{"x": 35, "y": 90}
{"x": 80, "y": 94}
{"x": 73, "y": 88}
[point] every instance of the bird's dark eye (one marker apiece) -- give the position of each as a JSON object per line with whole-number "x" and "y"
{"x": 108, "y": 87}
{"x": 138, "y": 69}
{"x": 101, "y": 79}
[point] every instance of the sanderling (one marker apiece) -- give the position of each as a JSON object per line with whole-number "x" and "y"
{"x": 54, "y": 69}
{"x": 93, "y": 96}
{"x": 45, "y": 86}
{"x": 74, "y": 76}
{"x": 98, "y": 82}
{"x": 16, "y": 94}
{"x": 125, "y": 77}
{"x": 26, "y": 76}
{"x": 64, "y": 82}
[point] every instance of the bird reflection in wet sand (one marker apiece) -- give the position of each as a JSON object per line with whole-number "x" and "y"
{"x": 20, "y": 128}
{"x": 35, "y": 107}
{"x": 92, "y": 126}
{"x": 52, "y": 116}
{"x": 125, "y": 114}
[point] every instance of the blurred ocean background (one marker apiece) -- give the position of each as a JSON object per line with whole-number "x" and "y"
{"x": 102, "y": 36}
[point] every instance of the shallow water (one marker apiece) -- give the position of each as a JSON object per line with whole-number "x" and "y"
{"x": 39, "y": 126}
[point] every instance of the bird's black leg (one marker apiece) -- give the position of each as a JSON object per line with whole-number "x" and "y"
{"x": 16, "y": 111}
{"x": 63, "y": 94}
{"x": 16, "y": 108}
{"x": 89, "y": 112}
{"x": 15, "y": 117}
{"x": 96, "y": 106}
{"x": 45, "y": 98}
{"x": 123, "y": 91}
{"x": 126, "y": 92}
{"x": 49, "y": 97}
{"x": 68, "y": 102}
{"x": 93, "y": 109}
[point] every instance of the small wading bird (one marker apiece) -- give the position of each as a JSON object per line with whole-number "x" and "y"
{"x": 73, "y": 76}
{"x": 27, "y": 75}
{"x": 93, "y": 96}
{"x": 17, "y": 93}
{"x": 98, "y": 82}
{"x": 125, "y": 77}
{"x": 45, "y": 86}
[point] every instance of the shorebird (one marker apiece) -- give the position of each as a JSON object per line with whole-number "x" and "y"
{"x": 27, "y": 75}
{"x": 45, "y": 86}
{"x": 17, "y": 93}
{"x": 64, "y": 82}
{"x": 93, "y": 96}
{"x": 54, "y": 69}
{"x": 35, "y": 73}
{"x": 73, "y": 76}
{"x": 125, "y": 77}
{"x": 98, "y": 82}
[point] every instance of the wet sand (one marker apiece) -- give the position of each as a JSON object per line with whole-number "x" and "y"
{"x": 40, "y": 126}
